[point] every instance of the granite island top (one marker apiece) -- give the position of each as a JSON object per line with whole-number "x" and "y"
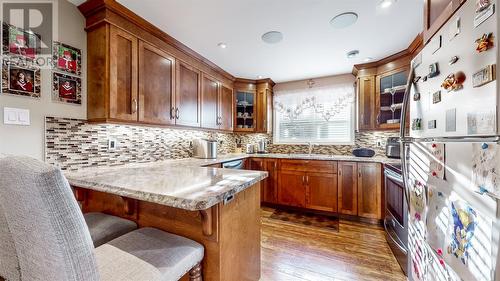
{"x": 186, "y": 183}
{"x": 174, "y": 183}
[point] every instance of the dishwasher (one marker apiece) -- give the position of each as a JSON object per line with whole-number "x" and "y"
{"x": 236, "y": 164}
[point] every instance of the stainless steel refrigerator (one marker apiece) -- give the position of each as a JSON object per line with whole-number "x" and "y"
{"x": 451, "y": 156}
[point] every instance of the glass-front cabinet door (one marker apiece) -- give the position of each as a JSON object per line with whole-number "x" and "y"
{"x": 245, "y": 111}
{"x": 390, "y": 91}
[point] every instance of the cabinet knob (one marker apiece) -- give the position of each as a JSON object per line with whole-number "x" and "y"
{"x": 177, "y": 113}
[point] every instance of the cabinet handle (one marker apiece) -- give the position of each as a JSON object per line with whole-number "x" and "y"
{"x": 303, "y": 179}
{"x": 307, "y": 180}
{"x": 134, "y": 105}
{"x": 378, "y": 119}
{"x": 359, "y": 174}
{"x": 177, "y": 113}
{"x": 172, "y": 116}
{"x": 340, "y": 172}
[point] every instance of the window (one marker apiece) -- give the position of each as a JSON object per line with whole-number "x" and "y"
{"x": 318, "y": 115}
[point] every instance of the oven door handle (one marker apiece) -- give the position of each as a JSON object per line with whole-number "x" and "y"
{"x": 394, "y": 177}
{"x": 393, "y": 239}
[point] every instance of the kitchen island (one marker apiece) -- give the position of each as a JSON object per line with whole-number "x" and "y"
{"x": 219, "y": 208}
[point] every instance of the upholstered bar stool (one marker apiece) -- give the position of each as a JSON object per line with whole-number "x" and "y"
{"x": 43, "y": 235}
{"x": 104, "y": 228}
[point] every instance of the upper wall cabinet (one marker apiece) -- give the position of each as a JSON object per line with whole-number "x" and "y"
{"x": 380, "y": 89}
{"x": 436, "y": 13}
{"x": 123, "y": 98}
{"x": 138, "y": 74}
{"x": 156, "y": 86}
{"x": 253, "y": 105}
{"x": 188, "y": 96}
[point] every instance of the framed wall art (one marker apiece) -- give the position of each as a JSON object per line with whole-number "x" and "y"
{"x": 66, "y": 58}
{"x": 484, "y": 76}
{"x": 66, "y": 88}
{"x": 18, "y": 42}
{"x": 20, "y": 79}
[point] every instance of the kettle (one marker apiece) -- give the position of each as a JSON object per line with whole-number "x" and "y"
{"x": 262, "y": 146}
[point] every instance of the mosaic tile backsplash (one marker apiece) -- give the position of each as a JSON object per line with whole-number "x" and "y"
{"x": 73, "y": 144}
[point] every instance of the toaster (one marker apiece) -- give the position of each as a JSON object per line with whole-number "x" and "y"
{"x": 204, "y": 149}
{"x": 393, "y": 148}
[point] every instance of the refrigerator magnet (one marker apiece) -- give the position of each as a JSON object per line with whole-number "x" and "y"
{"x": 416, "y": 124}
{"x": 484, "y": 76}
{"x": 484, "y": 10}
{"x": 454, "y": 81}
{"x": 485, "y": 42}
{"x": 432, "y": 124}
{"x": 416, "y": 96}
{"x": 433, "y": 70}
{"x": 453, "y": 60}
{"x": 436, "y": 97}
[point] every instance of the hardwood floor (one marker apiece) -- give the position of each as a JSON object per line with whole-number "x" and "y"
{"x": 357, "y": 252}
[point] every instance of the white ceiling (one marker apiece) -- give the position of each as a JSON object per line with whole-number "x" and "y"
{"x": 311, "y": 46}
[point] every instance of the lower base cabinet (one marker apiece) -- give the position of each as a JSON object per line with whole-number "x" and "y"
{"x": 269, "y": 186}
{"x": 321, "y": 192}
{"x": 292, "y": 189}
{"x": 354, "y": 189}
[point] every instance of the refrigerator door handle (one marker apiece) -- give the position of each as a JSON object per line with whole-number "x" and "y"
{"x": 402, "y": 133}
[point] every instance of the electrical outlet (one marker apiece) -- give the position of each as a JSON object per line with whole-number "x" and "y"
{"x": 380, "y": 143}
{"x": 112, "y": 144}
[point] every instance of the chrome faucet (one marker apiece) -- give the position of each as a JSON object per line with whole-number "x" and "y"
{"x": 311, "y": 146}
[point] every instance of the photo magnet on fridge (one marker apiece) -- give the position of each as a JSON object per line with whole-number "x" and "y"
{"x": 484, "y": 10}
{"x": 436, "y": 97}
{"x": 484, "y": 76}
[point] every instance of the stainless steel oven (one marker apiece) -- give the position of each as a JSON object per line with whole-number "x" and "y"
{"x": 396, "y": 221}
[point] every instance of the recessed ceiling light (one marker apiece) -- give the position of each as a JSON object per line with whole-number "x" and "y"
{"x": 344, "y": 20}
{"x": 272, "y": 37}
{"x": 259, "y": 77}
{"x": 222, "y": 45}
{"x": 386, "y": 3}
{"x": 352, "y": 54}
{"x": 367, "y": 59}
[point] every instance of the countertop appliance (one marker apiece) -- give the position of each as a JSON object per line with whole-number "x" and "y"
{"x": 396, "y": 210}
{"x": 236, "y": 164}
{"x": 393, "y": 148}
{"x": 250, "y": 149}
{"x": 363, "y": 152}
{"x": 262, "y": 146}
{"x": 205, "y": 149}
{"x": 450, "y": 151}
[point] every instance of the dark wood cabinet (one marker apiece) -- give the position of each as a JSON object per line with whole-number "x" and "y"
{"x": 225, "y": 108}
{"x": 209, "y": 103}
{"x": 390, "y": 90}
{"x": 123, "y": 98}
{"x": 436, "y": 13}
{"x": 188, "y": 96}
{"x": 269, "y": 186}
{"x": 321, "y": 192}
{"x": 253, "y": 106}
{"x": 366, "y": 102}
{"x": 348, "y": 188}
{"x": 292, "y": 188}
{"x": 370, "y": 190}
{"x": 156, "y": 86}
{"x": 264, "y": 106}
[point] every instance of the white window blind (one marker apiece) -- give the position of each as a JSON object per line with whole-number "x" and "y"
{"x": 318, "y": 115}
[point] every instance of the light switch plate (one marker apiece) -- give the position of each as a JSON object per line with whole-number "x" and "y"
{"x": 16, "y": 116}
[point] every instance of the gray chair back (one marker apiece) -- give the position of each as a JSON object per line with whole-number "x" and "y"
{"x": 43, "y": 235}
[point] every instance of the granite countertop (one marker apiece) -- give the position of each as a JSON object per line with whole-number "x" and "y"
{"x": 174, "y": 183}
{"x": 236, "y": 156}
{"x": 186, "y": 183}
